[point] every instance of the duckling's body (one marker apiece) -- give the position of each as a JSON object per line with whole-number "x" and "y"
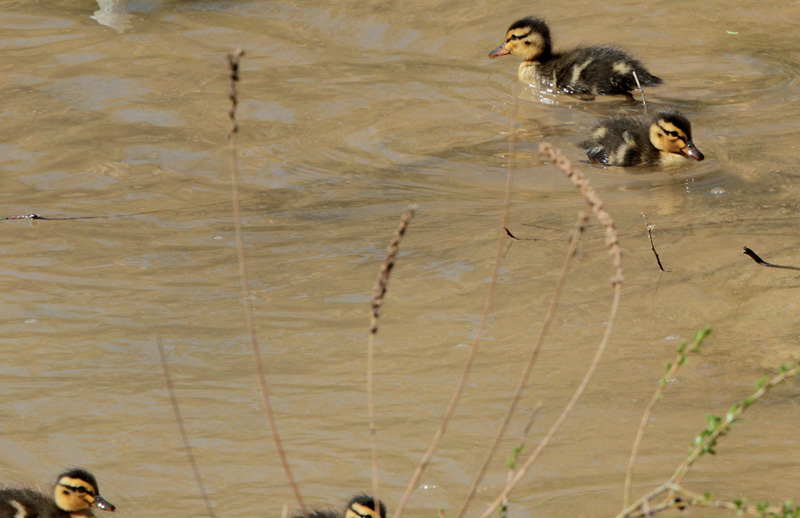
{"x": 663, "y": 139}
{"x": 360, "y": 506}
{"x": 74, "y": 494}
{"x": 586, "y": 71}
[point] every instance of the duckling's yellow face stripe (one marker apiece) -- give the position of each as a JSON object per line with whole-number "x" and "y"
{"x": 357, "y": 510}
{"x": 665, "y": 136}
{"x": 524, "y": 42}
{"x": 78, "y": 485}
{"x": 672, "y": 130}
{"x": 74, "y": 494}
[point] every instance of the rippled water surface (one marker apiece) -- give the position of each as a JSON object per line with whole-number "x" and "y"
{"x": 349, "y": 111}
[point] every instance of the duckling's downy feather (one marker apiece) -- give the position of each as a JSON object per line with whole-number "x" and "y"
{"x": 360, "y": 506}
{"x": 597, "y": 70}
{"x": 27, "y": 503}
{"x": 73, "y": 495}
{"x": 588, "y": 70}
{"x": 662, "y": 139}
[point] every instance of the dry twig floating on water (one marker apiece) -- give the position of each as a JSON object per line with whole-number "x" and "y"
{"x": 652, "y": 246}
{"x": 754, "y": 256}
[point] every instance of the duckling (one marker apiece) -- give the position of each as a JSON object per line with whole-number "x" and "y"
{"x": 663, "y": 139}
{"x": 360, "y": 506}
{"x": 585, "y": 71}
{"x": 75, "y": 492}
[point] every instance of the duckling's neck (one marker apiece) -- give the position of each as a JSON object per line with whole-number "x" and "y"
{"x": 667, "y": 159}
{"x": 527, "y": 71}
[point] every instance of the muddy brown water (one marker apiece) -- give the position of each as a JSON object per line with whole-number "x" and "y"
{"x": 349, "y": 111}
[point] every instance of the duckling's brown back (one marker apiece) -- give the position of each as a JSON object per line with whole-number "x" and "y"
{"x": 621, "y": 141}
{"x": 597, "y": 70}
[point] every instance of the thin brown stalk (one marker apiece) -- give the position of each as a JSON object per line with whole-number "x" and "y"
{"x": 377, "y": 301}
{"x": 513, "y": 461}
{"x": 184, "y": 436}
{"x": 580, "y": 226}
{"x": 673, "y": 367}
{"x": 501, "y": 235}
{"x": 640, "y": 435}
{"x": 652, "y": 245}
{"x": 233, "y": 67}
{"x": 641, "y": 90}
{"x": 612, "y": 242}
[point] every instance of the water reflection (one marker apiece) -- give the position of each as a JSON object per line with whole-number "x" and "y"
{"x": 114, "y": 14}
{"x": 350, "y": 110}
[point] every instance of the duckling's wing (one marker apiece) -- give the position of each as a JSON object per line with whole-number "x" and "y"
{"x": 621, "y": 141}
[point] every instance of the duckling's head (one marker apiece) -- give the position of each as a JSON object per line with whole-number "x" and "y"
{"x": 528, "y": 38}
{"x": 363, "y": 506}
{"x": 76, "y": 490}
{"x": 670, "y": 131}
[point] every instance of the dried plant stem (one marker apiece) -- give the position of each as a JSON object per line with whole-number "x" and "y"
{"x": 517, "y": 451}
{"x": 501, "y": 235}
{"x": 754, "y": 256}
{"x": 680, "y": 359}
{"x": 612, "y": 242}
{"x": 377, "y": 301}
{"x": 184, "y": 436}
{"x": 644, "y": 102}
{"x": 653, "y": 246}
{"x": 703, "y": 445}
{"x": 640, "y": 435}
{"x": 567, "y": 410}
{"x": 580, "y": 226}
{"x": 233, "y": 66}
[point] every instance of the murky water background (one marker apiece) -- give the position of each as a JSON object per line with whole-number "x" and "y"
{"x": 350, "y": 111}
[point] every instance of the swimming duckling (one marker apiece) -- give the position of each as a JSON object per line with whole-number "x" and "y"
{"x": 665, "y": 138}
{"x": 75, "y": 492}
{"x": 360, "y": 506}
{"x": 587, "y": 71}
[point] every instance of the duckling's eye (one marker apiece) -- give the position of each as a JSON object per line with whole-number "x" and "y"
{"x": 660, "y": 134}
{"x": 77, "y": 489}
{"x": 673, "y": 134}
{"x": 527, "y": 43}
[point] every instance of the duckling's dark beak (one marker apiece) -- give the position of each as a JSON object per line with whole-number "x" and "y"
{"x": 102, "y": 503}
{"x": 691, "y": 151}
{"x": 499, "y": 51}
